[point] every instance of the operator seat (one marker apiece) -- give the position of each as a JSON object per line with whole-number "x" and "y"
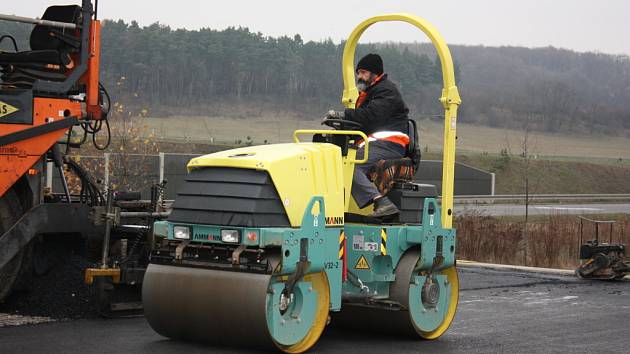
{"x": 50, "y": 54}
{"x": 388, "y": 172}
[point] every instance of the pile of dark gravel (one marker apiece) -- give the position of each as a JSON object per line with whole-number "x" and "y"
{"x": 59, "y": 294}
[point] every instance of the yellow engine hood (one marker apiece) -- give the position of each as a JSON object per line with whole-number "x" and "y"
{"x": 298, "y": 170}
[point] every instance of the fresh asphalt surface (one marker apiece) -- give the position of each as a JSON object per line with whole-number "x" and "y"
{"x": 543, "y": 209}
{"x": 499, "y": 311}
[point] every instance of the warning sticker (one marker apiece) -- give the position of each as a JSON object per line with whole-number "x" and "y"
{"x": 357, "y": 243}
{"x": 278, "y": 268}
{"x": 371, "y": 246}
{"x": 6, "y": 109}
{"x": 362, "y": 263}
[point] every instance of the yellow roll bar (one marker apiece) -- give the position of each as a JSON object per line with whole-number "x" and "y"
{"x": 450, "y": 96}
{"x": 299, "y": 132}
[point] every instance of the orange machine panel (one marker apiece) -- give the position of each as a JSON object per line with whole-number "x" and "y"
{"x": 16, "y": 158}
{"x": 92, "y": 75}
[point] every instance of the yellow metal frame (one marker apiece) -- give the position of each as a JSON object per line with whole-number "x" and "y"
{"x": 91, "y": 273}
{"x": 299, "y": 132}
{"x": 348, "y": 161}
{"x": 450, "y": 96}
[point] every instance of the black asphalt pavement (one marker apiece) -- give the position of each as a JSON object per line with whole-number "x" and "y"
{"x": 499, "y": 312}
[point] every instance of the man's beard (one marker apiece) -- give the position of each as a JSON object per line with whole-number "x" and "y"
{"x": 362, "y": 85}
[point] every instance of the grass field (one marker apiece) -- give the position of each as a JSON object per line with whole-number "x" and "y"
{"x": 560, "y": 164}
{"x": 470, "y": 138}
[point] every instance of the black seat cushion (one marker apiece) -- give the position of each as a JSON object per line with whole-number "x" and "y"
{"x": 25, "y": 77}
{"x": 47, "y": 44}
{"x": 49, "y": 56}
{"x": 41, "y": 36}
{"x": 35, "y": 56}
{"x": 413, "y": 148}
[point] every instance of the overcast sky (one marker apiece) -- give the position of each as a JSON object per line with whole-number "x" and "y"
{"x": 582, "y": 25}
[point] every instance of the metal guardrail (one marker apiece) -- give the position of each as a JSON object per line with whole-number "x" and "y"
{"x": 539, "y": 197}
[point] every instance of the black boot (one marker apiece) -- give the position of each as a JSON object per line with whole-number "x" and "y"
{"x": 384, "y": 207}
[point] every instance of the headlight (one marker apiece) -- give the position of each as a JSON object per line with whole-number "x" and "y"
{"x": 230, "y": 236}
{"x": 181, "y": 232}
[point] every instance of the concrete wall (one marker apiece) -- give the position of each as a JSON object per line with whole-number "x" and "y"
{"x": 468, "y": 180}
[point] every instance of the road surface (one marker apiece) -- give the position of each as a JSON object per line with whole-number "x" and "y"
{"x": 500, "y": 311}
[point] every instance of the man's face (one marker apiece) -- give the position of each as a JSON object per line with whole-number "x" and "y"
{"x": 364, "y": 79}
{"x": 364, "y": 75}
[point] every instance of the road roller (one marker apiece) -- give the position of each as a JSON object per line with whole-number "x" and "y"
{"x": 264, "y": 243}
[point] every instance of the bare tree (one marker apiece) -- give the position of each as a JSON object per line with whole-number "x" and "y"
{"x": 531, "y": 182}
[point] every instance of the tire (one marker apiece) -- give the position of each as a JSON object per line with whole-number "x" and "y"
{"x": 401, "y": 292}
{"x": 10, "y": 212}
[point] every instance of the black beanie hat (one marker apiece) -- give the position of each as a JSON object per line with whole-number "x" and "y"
{"x": 372, "y": 63}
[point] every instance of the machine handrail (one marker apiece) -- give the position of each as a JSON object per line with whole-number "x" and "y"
{"x": 337, "y": 132}
{"x": 36, "y": 21}
{"x": 450, "y": 96}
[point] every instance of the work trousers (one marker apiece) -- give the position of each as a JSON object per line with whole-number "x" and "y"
{"x": 363, "y": 190}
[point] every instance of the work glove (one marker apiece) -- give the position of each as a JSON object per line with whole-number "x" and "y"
{"x": 334, "y": 115}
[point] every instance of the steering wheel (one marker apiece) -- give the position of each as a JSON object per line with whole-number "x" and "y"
{"x": 342, "y": 124}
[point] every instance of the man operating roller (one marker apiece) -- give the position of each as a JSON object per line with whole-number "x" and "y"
{"x": 382, "y": 113}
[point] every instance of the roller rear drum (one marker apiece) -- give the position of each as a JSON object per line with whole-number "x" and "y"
{"x": 427, "y": 307}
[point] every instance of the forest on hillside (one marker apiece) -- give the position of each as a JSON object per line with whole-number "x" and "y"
{"x": 212, "y": 72}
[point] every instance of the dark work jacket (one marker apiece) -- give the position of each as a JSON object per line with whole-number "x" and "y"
{"x": 382, "y": 110}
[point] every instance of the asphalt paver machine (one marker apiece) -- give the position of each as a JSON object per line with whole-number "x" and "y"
{"x": 46, "y": 92}
{"x": 264, "y": 242}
